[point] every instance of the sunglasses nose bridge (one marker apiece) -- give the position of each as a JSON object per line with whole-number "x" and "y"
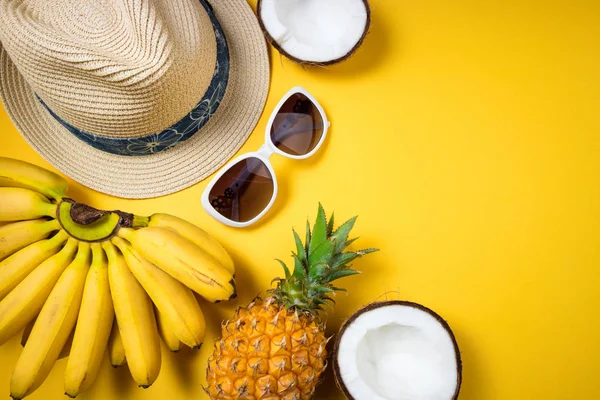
{"x": 265, "y": 151}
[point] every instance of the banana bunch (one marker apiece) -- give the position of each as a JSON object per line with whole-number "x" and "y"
{"x": 81, "y": 282}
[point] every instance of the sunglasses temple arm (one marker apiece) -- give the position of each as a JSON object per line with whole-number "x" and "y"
{"x": 237, "y": 187}
{"x": 240, "y": 184}
{"x": 235, "y": 208}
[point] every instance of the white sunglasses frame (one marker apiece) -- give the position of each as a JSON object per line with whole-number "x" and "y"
{"x": 264, "y": 154}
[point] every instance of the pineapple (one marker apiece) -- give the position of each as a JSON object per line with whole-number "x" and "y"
{"x": 276, "y": 348}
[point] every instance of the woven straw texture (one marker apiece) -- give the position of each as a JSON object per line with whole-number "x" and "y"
{"x": 137, "y": 69}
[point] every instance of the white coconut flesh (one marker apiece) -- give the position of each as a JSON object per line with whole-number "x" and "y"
{"x": 315, "y": 30}
{"x": 397, "y": 352}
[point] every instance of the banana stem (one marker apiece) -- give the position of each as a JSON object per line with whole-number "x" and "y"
{"x": 87, "y": 223}
{"x": 140, "y": 221}
{"x": 58, "y": 196}
{"x": 51, "y": 210}
{"x": 54, "y": 225}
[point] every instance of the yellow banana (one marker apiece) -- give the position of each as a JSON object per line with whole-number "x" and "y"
{"x": 66, "y": 348}
{"x": 52, "y": 327}
{"x": 195, "y": 235}
{"x": 16, "y": 267}
{"x": 15, "y": 236}
{"x": 183, "y": 260}
{"x": 166, "y": 332}
{"x": 94, "y": 324}
{"x": 170, "y": 296}
{"x": 17, "y": 204}
{"x": 16, "y": 173}
{"x": 25, "y": 301}
{"x": 116, "y": 351}
{"x": 135, "y": 316}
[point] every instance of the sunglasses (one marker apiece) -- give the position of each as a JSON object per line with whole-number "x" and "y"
{"x": 245, "y": 189}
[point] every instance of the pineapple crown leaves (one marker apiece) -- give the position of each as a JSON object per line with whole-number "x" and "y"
{"x": 319, "y": 261}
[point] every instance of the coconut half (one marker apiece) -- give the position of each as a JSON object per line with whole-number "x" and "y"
{"x": 318, "y": 32}
{"x": 397, "y": 350}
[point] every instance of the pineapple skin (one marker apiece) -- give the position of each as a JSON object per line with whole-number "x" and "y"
{"x": 267, "y": 352}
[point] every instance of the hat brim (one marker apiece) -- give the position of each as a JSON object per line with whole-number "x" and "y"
{"x": 169, "y": 171}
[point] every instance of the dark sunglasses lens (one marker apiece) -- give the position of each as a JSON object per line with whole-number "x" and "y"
{"x": 243, "y": 191}
{"x": 298, "y": 126}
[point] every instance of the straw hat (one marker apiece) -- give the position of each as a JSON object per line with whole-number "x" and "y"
{"x": 134, "y": 98}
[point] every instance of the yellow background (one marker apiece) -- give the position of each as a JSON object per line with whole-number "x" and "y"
{"x": 466, "y": 135}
